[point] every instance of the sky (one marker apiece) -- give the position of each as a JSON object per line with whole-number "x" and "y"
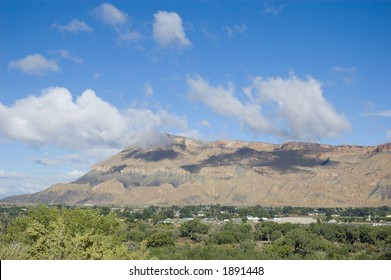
{"x": 81, "y": 80}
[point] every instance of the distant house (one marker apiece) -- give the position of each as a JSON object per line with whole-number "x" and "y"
{"x": 252, "y": 219}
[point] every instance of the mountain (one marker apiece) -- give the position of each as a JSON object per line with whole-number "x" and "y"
{"x": 187, "y": 171}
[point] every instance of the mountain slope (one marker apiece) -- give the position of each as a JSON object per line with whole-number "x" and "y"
{"x": 187, "y": 171}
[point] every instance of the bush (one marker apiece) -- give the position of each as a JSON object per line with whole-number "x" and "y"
{"x": 159, "y": 239}
{"x": 193, "y": 229}
{"x": 53, "y": 233}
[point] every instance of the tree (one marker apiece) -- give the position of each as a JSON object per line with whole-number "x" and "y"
{"x": 52, "y": 233}
{"x": 159, "y": 239}
{"x": 193, "y": 229}
{"x": 231, "y": 233}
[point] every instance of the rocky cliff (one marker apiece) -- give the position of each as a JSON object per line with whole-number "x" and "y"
{"x": 187, "y": 171}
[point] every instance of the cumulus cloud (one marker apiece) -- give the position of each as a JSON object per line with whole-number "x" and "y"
{"x": 300, "y": 106}
{"x": 86, "y": 123}
{"x": 109, "y": 14}
{"x": 291, "y": 108}
{"x": 224, "y": 102}
{"x": 168, "y": 30}
{"x": 74, "y": 26}
{"x": 35, "y": 64}
{"x": 118, "y": 20}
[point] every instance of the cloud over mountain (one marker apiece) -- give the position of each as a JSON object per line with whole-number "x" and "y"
{"x": 224, "y": 102}
{"x": 85, "y": 123}
{"x": 291, "y": 108}
{"x": 301, "y": 106}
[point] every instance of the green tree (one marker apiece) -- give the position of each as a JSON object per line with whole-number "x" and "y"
{"x": 193, "y": 229}
{"x": 52, "y": 233}
{"x": 159, "y": 239}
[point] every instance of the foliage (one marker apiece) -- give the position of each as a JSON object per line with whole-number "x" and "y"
{"x": 231, "y": 233}
{"x": 58, "y": 232}
{"x": 193, "y": 230}
{"x": 159, "y": 239}
{"x": 53, "y": 233}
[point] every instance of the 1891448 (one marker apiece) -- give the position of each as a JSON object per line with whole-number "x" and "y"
{"x": 236, "y": 270}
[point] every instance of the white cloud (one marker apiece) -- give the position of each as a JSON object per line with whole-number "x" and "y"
{"x": 193, "y": 134}
{"x": 118, "y": 20}
{"x": 85, "y": 129}
{"x": 236, "y": 29}
{"x": 110, "y": 15}
{"x": 130, "y": 36}
{"x": 148, "y": 90}
{"x": 385, "y": 113}
{"x": 341, "y": 69}
{"x": 271, "y": 7}
{"x": 35, "y": 64}
{"x": 208, "y": 34}
{"x": 86, "y": 123}
{"x": 205, "y": 123}
{"x": 96, "y": 76}
{"x": 345, "y": 74}
{"x": 74, "y": 26}
{"x": 224, "y": 102}
{"x": 14, "y": 183}
{"x": 301, "y": 107}
{"x": 291, "y": 108}
{"x": 68, "y": 55}
{"x": 168, "y": 30}
{"x": 74, "y": 174}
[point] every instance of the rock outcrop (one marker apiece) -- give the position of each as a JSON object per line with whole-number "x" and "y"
{"x": 383, "y": 148}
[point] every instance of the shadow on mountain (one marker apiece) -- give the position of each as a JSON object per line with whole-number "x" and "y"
{"x": 133, "y": 179}
{"x": 288, "y": 161}
{"x": 155, "y": 155}
{"x": 279, "y": 160}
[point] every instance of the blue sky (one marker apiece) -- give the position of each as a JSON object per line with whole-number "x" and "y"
{"x": 80, "y": 80}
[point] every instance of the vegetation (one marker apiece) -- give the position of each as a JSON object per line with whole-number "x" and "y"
{"x": 191, "y": 232}
{"x": 60, "y": 233}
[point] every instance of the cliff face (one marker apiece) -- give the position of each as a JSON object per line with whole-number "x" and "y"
{"x": 187, "y": 171}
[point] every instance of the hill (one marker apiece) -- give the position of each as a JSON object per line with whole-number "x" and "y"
{"x": 187, "y": 171}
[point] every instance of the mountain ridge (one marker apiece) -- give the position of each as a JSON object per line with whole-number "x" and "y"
{"x": 187, "y": 171}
